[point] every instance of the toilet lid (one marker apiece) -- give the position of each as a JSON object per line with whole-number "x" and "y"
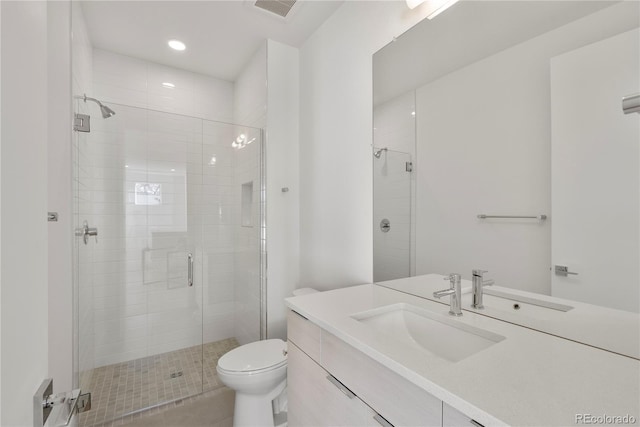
{"x": 255, "y": 356}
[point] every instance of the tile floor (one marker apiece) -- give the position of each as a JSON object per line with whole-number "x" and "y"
{"x": 210, "y": 409}
{"x": 126, "y": 387}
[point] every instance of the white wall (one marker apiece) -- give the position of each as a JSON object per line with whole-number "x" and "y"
{"x": 595, "y": 169}
{"x": 495, "y": 158}
{"x": 394, "y": 124}
{"x": 0, "y": 217}
{"x": 138, "y": 83}
{"x": 250, "y": 108}
{"x": 250, "y": 91}
{"x": 335, "y": 140}
{"x": 267, "y": 96}
{"x": 59, "y": 197}
{"x": 282, "y": 154}
{"x": 24, "y": 206}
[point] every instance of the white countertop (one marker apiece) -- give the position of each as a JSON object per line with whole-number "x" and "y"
{"x": 529, "y": 378}
{"x": 613, "y": 330}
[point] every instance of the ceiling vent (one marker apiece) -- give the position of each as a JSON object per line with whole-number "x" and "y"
{"x": 278, "y": 7}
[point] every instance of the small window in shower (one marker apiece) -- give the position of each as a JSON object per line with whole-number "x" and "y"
{"x": 148, "y": 194}
{"x": 246, "y": 204}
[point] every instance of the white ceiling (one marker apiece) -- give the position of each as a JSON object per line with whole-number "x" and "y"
{"x": 221, "y": 36}
{"x": 465, "y": 33}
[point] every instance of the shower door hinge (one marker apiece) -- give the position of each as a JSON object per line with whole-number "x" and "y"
{"x": 84, "y": 402}
{"x": 44, "y": 402}
{"x": 82, "y": 123}
{"x": 408, "y": 166}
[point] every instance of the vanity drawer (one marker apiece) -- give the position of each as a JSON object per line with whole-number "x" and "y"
{"x": 396, "y": 399}
{"x": 317, "y": 400}
{"x": 453, "y": 418}
{"x": 304, "y": 334}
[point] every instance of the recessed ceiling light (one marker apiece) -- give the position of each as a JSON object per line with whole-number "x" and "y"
{"x": 173, "y": 170}
{"x": 177, "y": 45}
{"x": 168, "y": 85}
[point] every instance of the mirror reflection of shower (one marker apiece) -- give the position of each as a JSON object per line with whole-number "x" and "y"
{"x": 378, "y": 153}
{"x": 106, "y": 111}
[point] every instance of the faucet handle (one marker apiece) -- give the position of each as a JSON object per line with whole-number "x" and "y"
{"x": 479, "y": 272}
{"x": 453, "y": 278}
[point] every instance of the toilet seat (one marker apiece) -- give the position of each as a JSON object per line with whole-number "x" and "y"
{"x": 253, "y": 358}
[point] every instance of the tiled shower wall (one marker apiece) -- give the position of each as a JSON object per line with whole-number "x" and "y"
{"x": 394, "y": 187}
{"x": 250, "y": 108}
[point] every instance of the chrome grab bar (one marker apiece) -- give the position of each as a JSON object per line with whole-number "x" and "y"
{"x": 190, "y": 269}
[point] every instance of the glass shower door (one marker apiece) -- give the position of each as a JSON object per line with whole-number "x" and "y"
{"x": 139, "y": 285}
{"x": 391, "y": 215}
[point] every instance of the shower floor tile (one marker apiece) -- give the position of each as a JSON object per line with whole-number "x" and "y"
{"x": 130, "y": 386}
{"x": 213, "y": 409}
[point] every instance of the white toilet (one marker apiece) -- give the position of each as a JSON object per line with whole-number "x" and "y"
{"x": 258, "y": 373}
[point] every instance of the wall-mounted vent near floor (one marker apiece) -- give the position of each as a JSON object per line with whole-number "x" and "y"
{"x": 279, "y": 7}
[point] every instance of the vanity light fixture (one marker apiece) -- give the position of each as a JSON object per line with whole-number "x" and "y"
{"x": 168, "y": 85}
{"x": 176, "y": 45}
{"x": 412, "y": 4}
{"x": 438, "y": 6}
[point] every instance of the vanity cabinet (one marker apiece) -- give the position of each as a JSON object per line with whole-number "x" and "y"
{"x": 341, "y": 386}
{"x": 453, "y": 418}
{"x": 318, "y": 399}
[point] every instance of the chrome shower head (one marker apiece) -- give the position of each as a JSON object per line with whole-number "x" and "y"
{"x": 106, "y": 111}
{"x": 378, "y": 153}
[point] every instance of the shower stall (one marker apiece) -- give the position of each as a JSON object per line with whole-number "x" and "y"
{"x": 168, "y": 259}
{"x": 391, "y": 214}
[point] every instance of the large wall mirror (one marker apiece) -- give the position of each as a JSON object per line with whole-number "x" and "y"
{"x": 500, "y": 143}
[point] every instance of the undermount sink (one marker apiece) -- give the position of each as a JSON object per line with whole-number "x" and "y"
{"x": 518, "y": 304}
{"x": 429, "y": 331}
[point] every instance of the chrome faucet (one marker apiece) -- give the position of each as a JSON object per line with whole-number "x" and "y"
{"x": 455, "y": 290}
{"x": 477, "y": 285}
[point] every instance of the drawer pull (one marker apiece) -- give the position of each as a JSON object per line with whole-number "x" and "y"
{"x": 295, "y": 312}
{"x": 475, "y": 423}
{"x": 380, "y": 420}
{"x": 341, "y": 386}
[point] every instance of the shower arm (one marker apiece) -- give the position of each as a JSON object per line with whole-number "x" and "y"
{"x": 86, "y": 98}
{"x": 106, "y": 111}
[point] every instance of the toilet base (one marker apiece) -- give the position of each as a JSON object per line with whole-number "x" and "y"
{"x": 253, "y": 410}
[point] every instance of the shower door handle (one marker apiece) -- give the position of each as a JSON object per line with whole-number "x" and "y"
{"x": 190, "y": 269}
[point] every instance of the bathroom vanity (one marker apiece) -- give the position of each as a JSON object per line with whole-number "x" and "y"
{"x": 371, "y": 355}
